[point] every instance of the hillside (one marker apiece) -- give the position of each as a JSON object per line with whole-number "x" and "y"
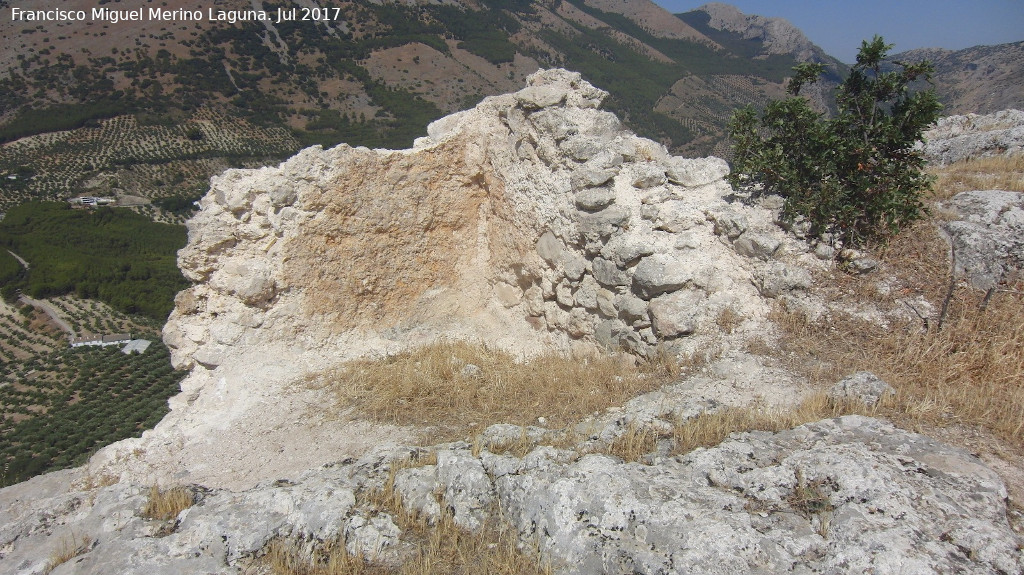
{"x": 978, "y": 80}
{"x": 152, "y": 108}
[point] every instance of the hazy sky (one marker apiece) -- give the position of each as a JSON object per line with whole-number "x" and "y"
{"x": 839, "y": 26}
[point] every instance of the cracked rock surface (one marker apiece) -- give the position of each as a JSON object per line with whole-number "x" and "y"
{"x": 845, "y": 495}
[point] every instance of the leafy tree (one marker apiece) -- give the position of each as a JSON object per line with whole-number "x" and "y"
{"x": 855, "y": 176}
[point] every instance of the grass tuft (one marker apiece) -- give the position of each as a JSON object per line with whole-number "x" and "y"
{"x": 470, "y": 386}
{"x": 517, "y": 447}
{"x": 635, "y": 443}
{"x": 165, "y": 505}
{"x": 70, "y": 547}
{"x": 811, "y": 500}
{"x": 711, "y": 428}
{"x": 729, "y": 319}
{"x": 290, "y": 557}
{"x": 992, "y": 173}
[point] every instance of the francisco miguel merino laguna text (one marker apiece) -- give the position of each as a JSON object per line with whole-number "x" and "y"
{"x": 140, "y": 14}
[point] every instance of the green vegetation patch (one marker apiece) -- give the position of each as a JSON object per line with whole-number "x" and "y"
{"x": 30, "y": 121}
{"x": 59, "y": 408}
{"x": 11, "y": 269}
{"x": 856, "y": 177}
{"x": 484, "y": 32}
{"x": 116, "y": 256}
{"x": 177, "y": 204}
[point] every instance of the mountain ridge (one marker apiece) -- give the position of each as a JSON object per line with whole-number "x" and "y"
{"x": 377, "y": 73}
{"x": 976, "y": 80}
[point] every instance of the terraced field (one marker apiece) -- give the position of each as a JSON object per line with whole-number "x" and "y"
{"x": 94, "y": 317}
{"x": 136, "y": 162}
{"x": 58, "y": 404}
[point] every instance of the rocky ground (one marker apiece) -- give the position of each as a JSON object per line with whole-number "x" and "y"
{"x": 534, "y": 221}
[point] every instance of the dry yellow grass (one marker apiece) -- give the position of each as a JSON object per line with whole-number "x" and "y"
{"x": 70, "y": 547}
{"x": 971, "y": 371}
{"x": 166, "y": 504}
{"x": 465, "y": 386}
{"x": 517, "y": 447}
{"x": 93, "y": 481}
{"x": 729, "y": 319}
{"x": 710, "y": 429}
{"x": 449, "y": 549}
{"x": 995, "y": 173}
{"x": 288, "y": 557}
{"x": 635, "y": 443}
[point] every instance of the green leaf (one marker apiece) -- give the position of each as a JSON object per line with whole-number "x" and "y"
{"x": 855, "y": 176}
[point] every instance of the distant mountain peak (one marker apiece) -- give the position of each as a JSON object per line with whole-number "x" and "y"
{"x": 778, "y": 35}
{"x": 652, "y": 18}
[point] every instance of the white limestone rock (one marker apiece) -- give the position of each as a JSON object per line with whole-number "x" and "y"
{"x": 778, "y": 278}
{"x": 468, "y": 491}
{"x": 862, "y": 386}
{"x": 729, "y": 223}
{"x": 988, "y": 237}
{"x": 957, "y": 138}
{"x": 678, "y": 313}
{"x": 839, "y": 494}
{"x": 693, "y": 172}
{"x": 757, "y": 245}
{"x": 370, "y": 537}
{"x": 869, "y": 500}
{"x": 661, "y": 273}
{"x": 542, "y": 96}
{"x": 594, "y": 199}
{"x": 608, "y": 274}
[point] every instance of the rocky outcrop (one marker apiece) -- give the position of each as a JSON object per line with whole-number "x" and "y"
{"x": 532, "y": 221}
{"x": 850, "y": 494}
{"x": 777, "y": 35}
{"x": 988, "y": 237}
{"x": 525, "y": 211}
{"x": 957, "y": 138}
{"x": 531, "y": 208}
{"x": 986, "y": 233}
{"x": 842, "y": 495}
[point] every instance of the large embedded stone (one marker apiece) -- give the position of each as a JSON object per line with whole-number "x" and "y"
{"x": 594, "y": 199}
{"x": 678, "y": 313}
{"x": 608, "y": 274}
{"x": 660, "y": 273}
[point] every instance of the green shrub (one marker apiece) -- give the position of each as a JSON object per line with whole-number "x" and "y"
{"x": 856, "y": 176}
